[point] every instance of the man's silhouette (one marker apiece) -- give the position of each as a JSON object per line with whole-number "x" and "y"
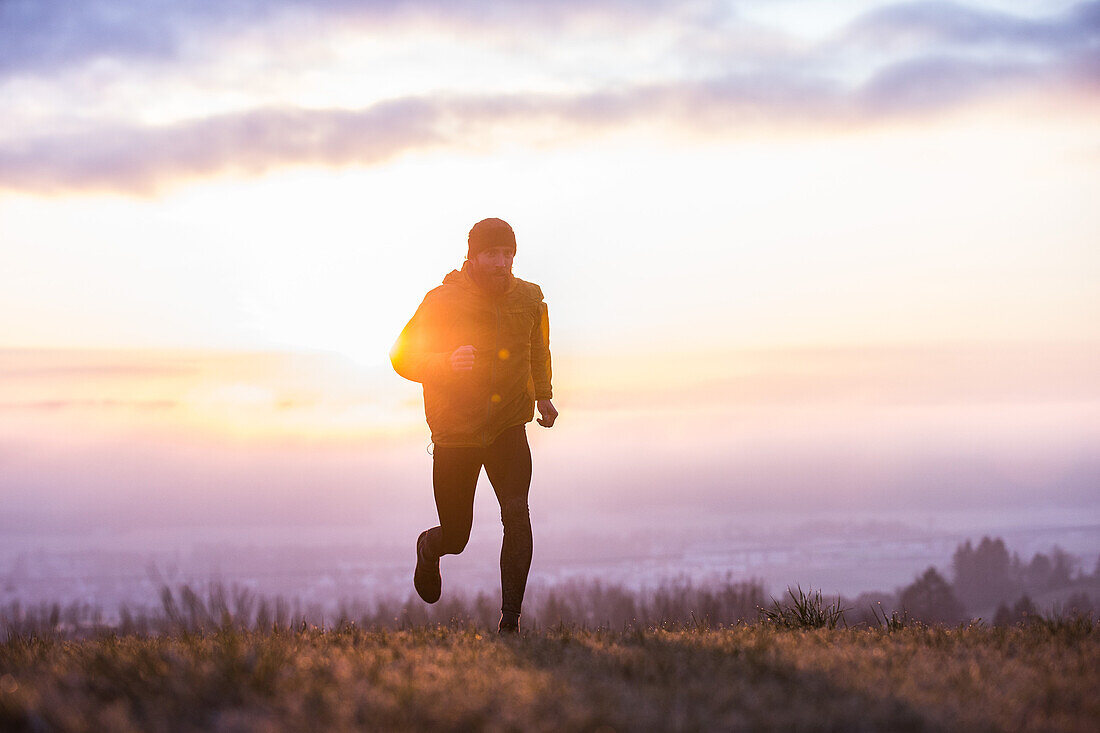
{"x": 480, "y": 345}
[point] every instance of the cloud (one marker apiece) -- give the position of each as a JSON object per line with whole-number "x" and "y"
{"x": 37, "y": 36}
{"x": 939, "y": 82}
{"x": 917, "y": 58}
{"x": 55, "y": 405}
{"x": 946, "y": 23}
{"x": 43, "y": 37}
{"x": 138, "y": 159}
{"x": 944, "y": 54}
{"x": 70, "y": 371}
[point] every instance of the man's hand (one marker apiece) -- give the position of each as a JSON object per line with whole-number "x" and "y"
{"x": 549, "y": 414}
{"x": 462, "y": 359}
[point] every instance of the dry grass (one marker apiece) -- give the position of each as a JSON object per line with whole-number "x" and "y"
{"x": 743, "y": 678}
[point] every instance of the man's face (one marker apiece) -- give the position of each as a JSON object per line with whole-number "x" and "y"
{"x": 494, "y": 266}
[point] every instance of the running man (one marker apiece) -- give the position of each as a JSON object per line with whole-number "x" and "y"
{"x": 480, "y": 345}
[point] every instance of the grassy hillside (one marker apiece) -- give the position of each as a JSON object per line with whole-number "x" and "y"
{"x": 757, "y": 677}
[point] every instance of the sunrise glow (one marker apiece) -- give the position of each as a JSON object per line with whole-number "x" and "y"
{"x": 759, "y": 227}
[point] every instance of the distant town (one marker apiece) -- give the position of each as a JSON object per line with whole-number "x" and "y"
{"x": 103, "y": 578}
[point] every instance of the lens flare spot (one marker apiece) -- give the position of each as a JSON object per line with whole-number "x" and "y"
{"x": 504, "y": 353}
{"x": 495, "y": 398}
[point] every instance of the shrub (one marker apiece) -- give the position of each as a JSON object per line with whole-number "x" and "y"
{"x": 931, "y": 599}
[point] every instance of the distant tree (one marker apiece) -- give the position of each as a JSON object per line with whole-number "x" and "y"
{"x": 1024, "y": 609}
{"x": 1079, "y": 604}
{"x": 931, "y": 599}
{"x": 983, "y": 574}
{"x": 868, "y": 607}
{"x": 1038, "y": 572}
{"x": 1016, "y": 569}
{"x": 1061, "y": 571}
{"x": 962, "y": 560}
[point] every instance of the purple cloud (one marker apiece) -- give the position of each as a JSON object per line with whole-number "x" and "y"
{"x": 952, "y": 55}
{"x": 43, "y": 37}
{"x": 946, "y": 23}
{"x": 939, "y": 82}
{"x": 136, "y": 159}
{"x": 36, "y": 36}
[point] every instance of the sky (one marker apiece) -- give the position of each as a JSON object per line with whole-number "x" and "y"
{"x": 782, "y": 242}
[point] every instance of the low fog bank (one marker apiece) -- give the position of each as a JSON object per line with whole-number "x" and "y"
{"x": 384, "y": 491}
{"x": 126, "y": 440}
{"x": 342, "y": 565}
{"x": 831, "y": 472}
{"x": 106, "y": 522}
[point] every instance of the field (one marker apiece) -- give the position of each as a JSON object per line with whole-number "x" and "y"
{"x": 748, "y": 677}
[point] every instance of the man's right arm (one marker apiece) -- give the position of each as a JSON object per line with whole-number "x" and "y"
{"x": 416, "y": 355}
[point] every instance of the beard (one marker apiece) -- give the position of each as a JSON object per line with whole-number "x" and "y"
{"x": 499, "y": 281}
{"x": 495, "y": 282}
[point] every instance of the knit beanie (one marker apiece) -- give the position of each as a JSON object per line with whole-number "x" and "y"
{"x": 490, "y": 233}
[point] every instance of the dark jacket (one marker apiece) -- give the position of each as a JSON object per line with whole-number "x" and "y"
{"x": 511, "y": 335}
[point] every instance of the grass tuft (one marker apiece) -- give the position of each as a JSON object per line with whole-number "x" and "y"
{"x": 1073, "y": 626}
{"x": 893, "y": 622}
{"x": 805, "y": 611}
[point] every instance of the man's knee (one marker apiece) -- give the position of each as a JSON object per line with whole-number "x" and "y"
{"x": 453, "y": 543}
{"x": 515, "y": 512}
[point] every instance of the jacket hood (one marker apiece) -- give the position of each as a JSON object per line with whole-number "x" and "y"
{"x": 459, "y": 277}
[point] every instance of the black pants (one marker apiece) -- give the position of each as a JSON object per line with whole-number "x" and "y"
{"x": 455, "y": 471}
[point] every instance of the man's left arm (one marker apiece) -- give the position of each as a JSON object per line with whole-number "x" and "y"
{"x": 541, "y": 371}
